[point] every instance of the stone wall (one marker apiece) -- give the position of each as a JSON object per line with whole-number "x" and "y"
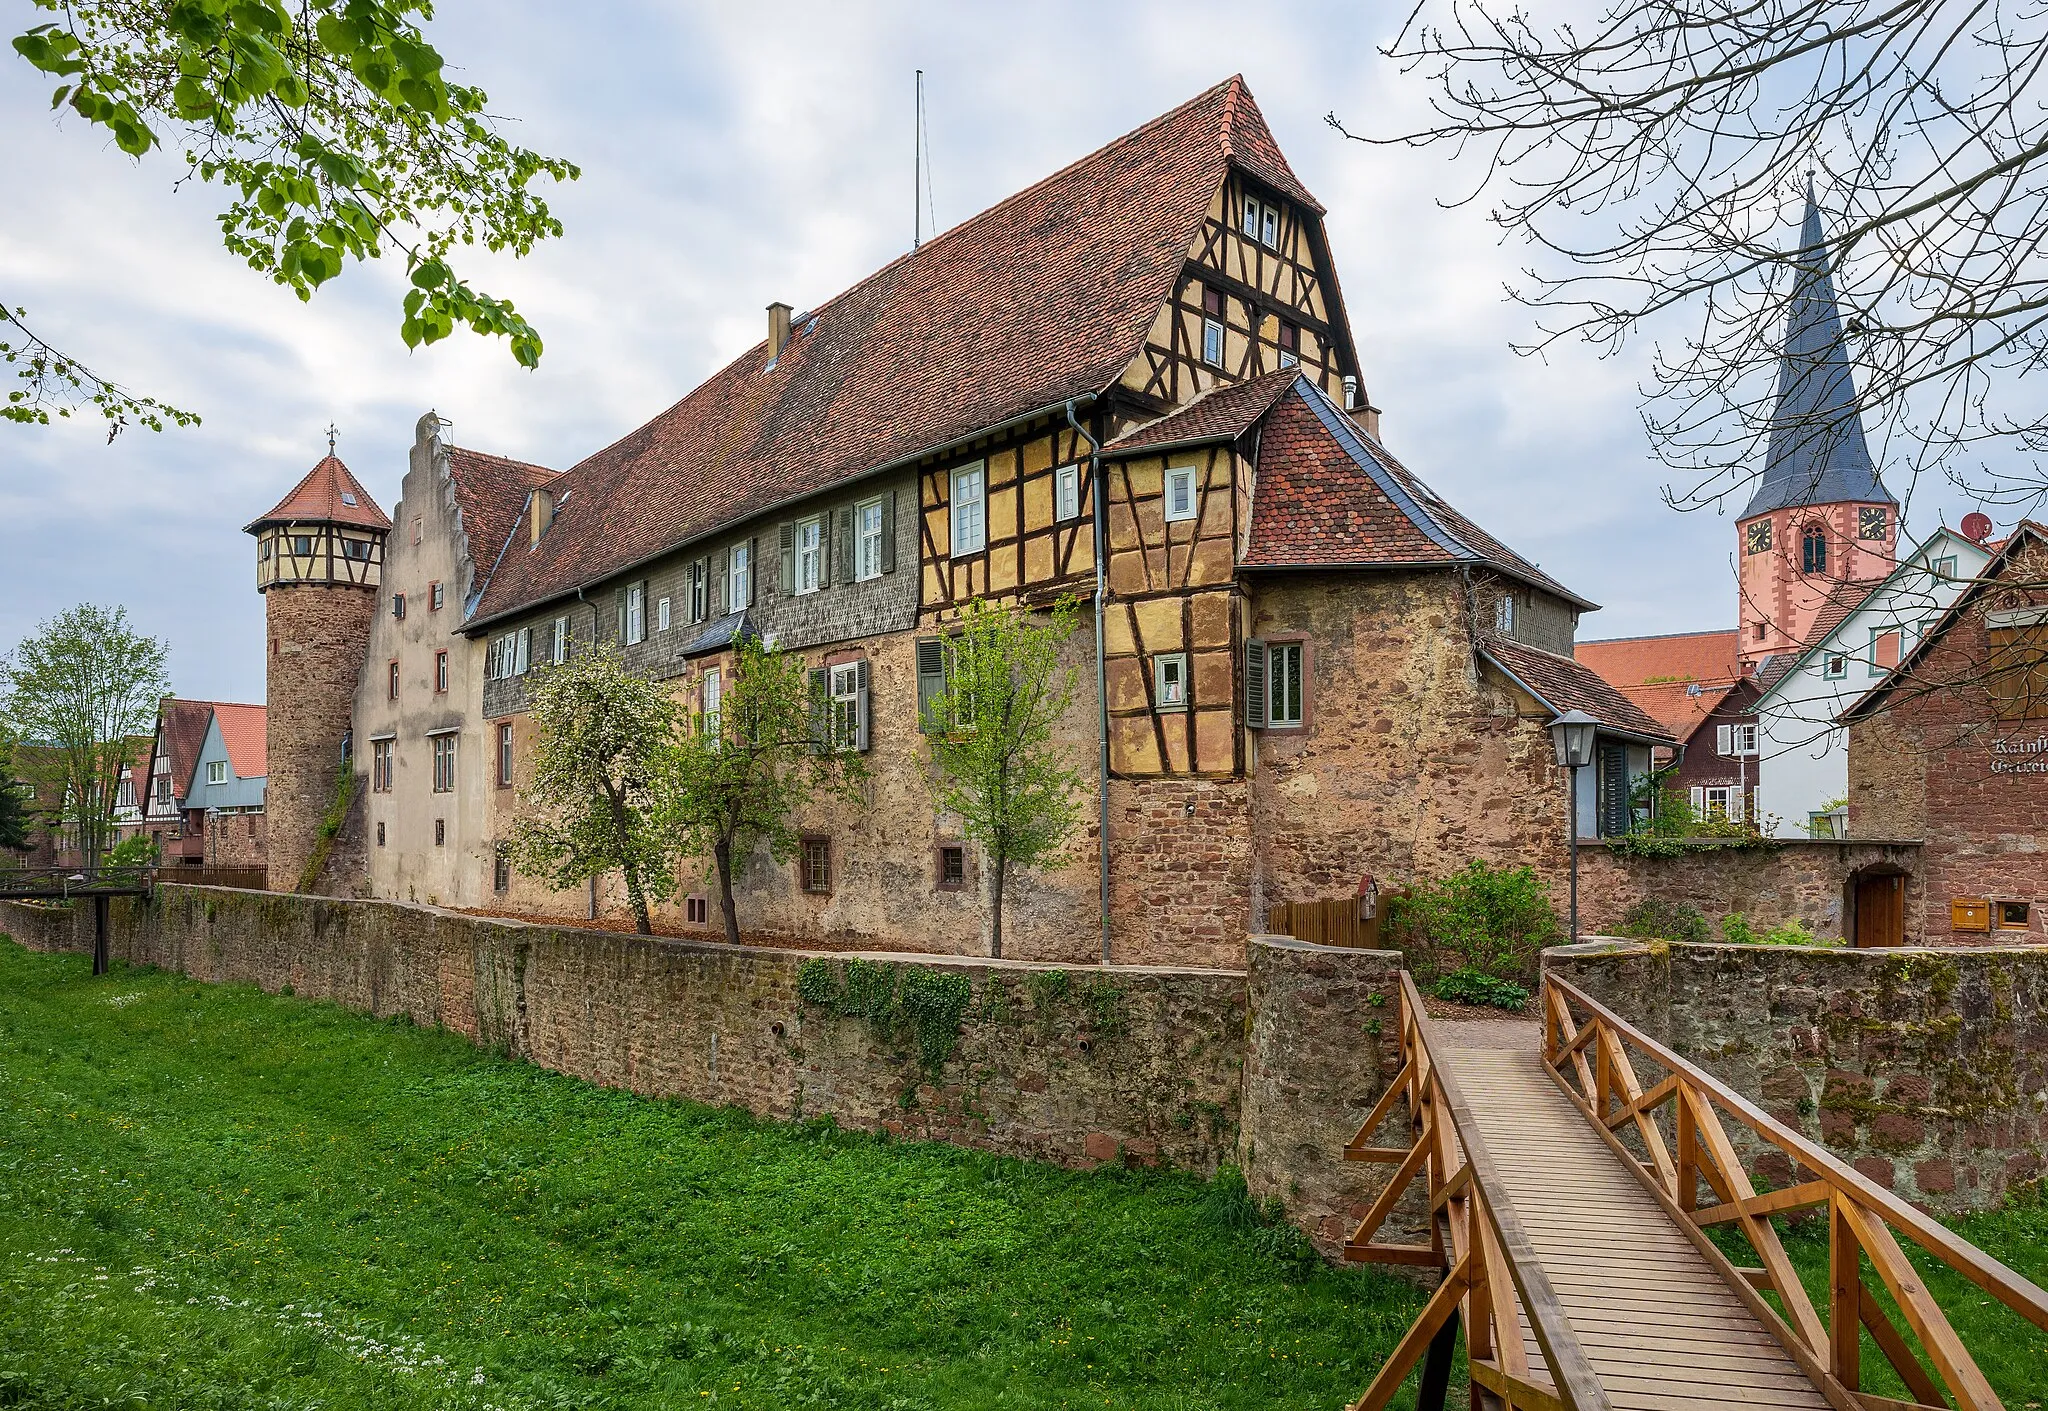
{"x": 318, "y": 636}
{"x": 1926, "y": 1068}
{"x": 1143, "y": 1065}
{"x": 237, "y": 840}
{"x": 1803, "y": 880}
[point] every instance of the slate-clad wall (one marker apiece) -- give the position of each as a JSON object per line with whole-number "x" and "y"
{"x": 1143, "y": 1065}
{"x": 1926, "y": 1068}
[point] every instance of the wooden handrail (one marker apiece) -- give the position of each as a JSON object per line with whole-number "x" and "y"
{"x": 2008, "y": 1286}
{"x": 1569, "y": 1368}
{"x": 1861, "y": 1213}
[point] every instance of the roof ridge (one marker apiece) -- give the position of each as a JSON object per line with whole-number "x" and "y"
{"x": 1353, "y": 443}
{"x": 1660, "y": 636}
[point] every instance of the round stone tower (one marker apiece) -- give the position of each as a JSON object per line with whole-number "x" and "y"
{"x": 319, "y": 559}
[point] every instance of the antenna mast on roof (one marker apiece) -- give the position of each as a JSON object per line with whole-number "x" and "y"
{"x": 920, "y": 171}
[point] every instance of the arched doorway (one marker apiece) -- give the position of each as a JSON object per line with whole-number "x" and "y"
{"x": 1876, "y": 906}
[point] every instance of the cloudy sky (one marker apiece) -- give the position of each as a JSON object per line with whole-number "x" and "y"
{"x": 734, "y": 155}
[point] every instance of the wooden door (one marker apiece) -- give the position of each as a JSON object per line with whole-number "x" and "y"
{"x": 1880, "y": 911}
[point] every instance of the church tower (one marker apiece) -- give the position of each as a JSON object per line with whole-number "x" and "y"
{"x": 319, "y": 559}
{"x": 1820, "y": 525}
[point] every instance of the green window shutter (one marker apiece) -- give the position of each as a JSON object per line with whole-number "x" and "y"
{"x": 889, "y": 532}
{"x": 931, "y": 678}
{"x": 860, "y": 706}
{"x": 786, "y": 579}
{"x": 821, "y": 711}
{"x": 1255, "y": 684}
{"x": 842, "y": 544}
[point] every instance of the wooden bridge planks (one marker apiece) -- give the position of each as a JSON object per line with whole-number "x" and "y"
{"x": 1661, "y": 1328}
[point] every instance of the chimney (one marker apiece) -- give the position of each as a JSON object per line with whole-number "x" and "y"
{"x": 778, "y": 329}
{"x": 1369, "y": 418}
{"x": 543, "y": 513}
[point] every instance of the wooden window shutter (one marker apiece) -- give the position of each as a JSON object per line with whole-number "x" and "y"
{"x": 1724, "y": 740}
{"x": 619, "y": 598}
{"x": 786, "y": 578}
{"x": 1255, "y": 684}
{"x": 718, "y": 586}
{"x": 1699, "y": 801}
{"x": 842, "y": 544}
{"x": 821, "y": 710}
{"x": 889, "y": 532}
{"x": 1614, "y": 814}
{"x": 860, "y": 705}
{"x": 931, "y": 678}
{"x": 753, "y": 571}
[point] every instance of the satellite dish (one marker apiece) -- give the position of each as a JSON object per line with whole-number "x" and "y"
{"x": 1976, "y": 526}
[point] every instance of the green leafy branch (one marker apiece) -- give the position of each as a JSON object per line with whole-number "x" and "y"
{"x": 49, "y": 381}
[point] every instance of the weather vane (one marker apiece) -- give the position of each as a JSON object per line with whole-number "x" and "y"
{"x": 331, "y": 434}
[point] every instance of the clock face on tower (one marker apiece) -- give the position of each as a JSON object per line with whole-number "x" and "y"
{"x": 1871, "y": 523}
{"x": 1760, "y": 537}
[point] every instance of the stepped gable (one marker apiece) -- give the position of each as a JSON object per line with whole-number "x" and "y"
{"x": 1561, "y": 684}
{"x": 1223, "y": 413}
{"x": 1329, "y": 496}
{"x": 1046, "y": 296}
{"x": 1817, "y": 454}
{"x": 329, "y": 494}
{"x": 243, "y": 732}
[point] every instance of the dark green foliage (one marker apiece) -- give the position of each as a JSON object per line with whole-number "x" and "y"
{"x": 14, "y": 802}
{"x": 330, "y": 828}
{"x": 1492, "y": 919}
{"x": 297, "y": 1207}
{"x": 930, "y": 1004}
{"x": 1654, "y": 919}
{"x": 1470, "y": 986}
{"x": 1048, "y": 987}
{"x": 1228, "y": 1202}
{"x": 1104, "y": 1000}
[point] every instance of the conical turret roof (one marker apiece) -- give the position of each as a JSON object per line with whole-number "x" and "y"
{"x": 1817, "y": 455}
{"x": 328, "y": 495}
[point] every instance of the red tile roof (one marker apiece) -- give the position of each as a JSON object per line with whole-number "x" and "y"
{"x": 1658, "y": 673}
{"x": 490, "y": 492}
{"x": 1326, "y": 495}
{"x": 242, "y": 730}
{"x": 328, "y": 495}
{"x": 1562, "y": 684}
{"x": 1046, "y": 296}
{"x": 1846, "y": 596}
{"x": 1223, "y": 413}
{"x": 181, "y": 725}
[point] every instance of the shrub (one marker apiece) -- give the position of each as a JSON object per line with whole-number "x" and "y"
{"x": 1654, "y": 919}
{"x": 1736, "y": 930}
{"x": 1477, "y": 987}
{"x": 1491, "y": 919}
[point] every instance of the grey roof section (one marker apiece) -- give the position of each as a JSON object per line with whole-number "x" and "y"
{"x": 1817, "y": 455}
{"x": 720, "y": 633}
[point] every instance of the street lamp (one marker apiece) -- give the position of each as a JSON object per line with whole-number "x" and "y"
{"x": 1572, "y": 733}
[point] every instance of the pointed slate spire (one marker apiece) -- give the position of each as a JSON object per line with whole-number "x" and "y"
{"x": 1817, "y": 455}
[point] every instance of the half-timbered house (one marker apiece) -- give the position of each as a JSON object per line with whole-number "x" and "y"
{"x": 1133, "y": 384}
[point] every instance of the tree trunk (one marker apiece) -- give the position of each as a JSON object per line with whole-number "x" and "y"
{"x": 635, "y": 894}
{"x": 996, "y": 913}
{"x": 721, "y": 852}
{"x": 638, "y": 898}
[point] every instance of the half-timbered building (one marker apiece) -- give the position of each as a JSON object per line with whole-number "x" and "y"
{"x": 1133, "y": 384}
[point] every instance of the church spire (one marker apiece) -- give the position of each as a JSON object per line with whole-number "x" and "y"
{"x": 1817, "y": 455}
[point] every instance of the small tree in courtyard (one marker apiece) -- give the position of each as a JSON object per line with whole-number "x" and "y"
{"x": 991, "y": 738}
{"x": 82, "y": 685}
{"x": 602, "y": 770}
{"x": 746, "y": 769}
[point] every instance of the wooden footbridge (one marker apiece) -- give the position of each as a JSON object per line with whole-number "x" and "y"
{"x": 1568, "y": 1208}
{"x": 101, "y": 884}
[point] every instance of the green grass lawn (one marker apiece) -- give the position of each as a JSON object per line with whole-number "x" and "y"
{"x": 215, "y": 1198}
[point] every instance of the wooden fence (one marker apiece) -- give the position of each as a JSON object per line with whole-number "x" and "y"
{"x": 1326, "y": 923}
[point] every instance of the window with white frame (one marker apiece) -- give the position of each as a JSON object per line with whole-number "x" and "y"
{"x": 558, "y": 646}
{"x": 699, "y": 581}
{"x": 216, "y": 771}
{"x": 1262, "y": 221}
{"x": 1170, "y": 681}
{"x": 1504, "y": 613}
{"x": 810, "y": 554}
{"x": 739, "y": 576}
{"x": 847, "y": 700}
{"x": 1835, "y": 666}
{"x": 636, "y": 613}
{"x": 1735, "y": 741}
{"x": 867, "y": 540}
{"x": 970, "y": 524}
{"x": 1717, "y": 801}
{"x": 1066, "y": 492}
{"x": 1283, "y": 686}
{"x": 714, "y": 701}
{"x": 522, "y": 650}
{"x": 444, "y": 764}
{"x": 1212, "y": 327}
{"x": 1180, "y": 493}
{"x": 661, "y": 614}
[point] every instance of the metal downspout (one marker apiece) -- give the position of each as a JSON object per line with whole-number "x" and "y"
{"x": 1098, "y": 490}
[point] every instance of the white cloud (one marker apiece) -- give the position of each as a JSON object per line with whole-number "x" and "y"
{"x": 733, "y": 155}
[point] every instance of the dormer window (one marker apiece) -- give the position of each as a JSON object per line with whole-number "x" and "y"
{"x": 348, "y": 497}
